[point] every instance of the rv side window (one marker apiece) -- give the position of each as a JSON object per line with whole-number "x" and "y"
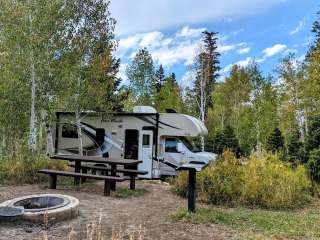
{"x": 69, "y": 131}
{"x": 145, "y": 140}
{"x": 171, "y": 145}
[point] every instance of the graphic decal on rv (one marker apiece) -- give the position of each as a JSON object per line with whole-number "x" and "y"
{"x": 95, "y": 148}
{"x": 145, "y": 119}
{"x": 168, "y": 125}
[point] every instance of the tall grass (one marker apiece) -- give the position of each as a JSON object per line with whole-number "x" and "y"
{"x": 23, "y": 167}
{"x": 93, "y": 231}
{"x": 259, "y": 180}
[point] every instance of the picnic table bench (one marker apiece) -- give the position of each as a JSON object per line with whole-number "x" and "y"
{"x": 131, "y": 172}
{"x": 110, "y": 180}
{"x": 107, "y": 179}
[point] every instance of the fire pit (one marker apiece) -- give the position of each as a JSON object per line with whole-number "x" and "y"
{"x": 56, "y": 207}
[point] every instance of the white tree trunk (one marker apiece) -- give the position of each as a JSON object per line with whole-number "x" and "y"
{"x": 32, "y": 141}
{"x": 33, "y": 129}
{"x": 50, "y": 148}
{"x": 202, "y": 105}
{"x": 78, "y": 122}
{"x": 41, "y": 125}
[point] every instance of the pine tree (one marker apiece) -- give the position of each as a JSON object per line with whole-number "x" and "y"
{"x": 226, "y": 140}
{"x": 159, "y": 79}
{"x": 206, "y": 68}
{"x": 275, "y": 141}
{"x": 169, "y": 96}
{"x": 295, "y": 152}
{"x": 313, "y": 164}
{"x": 141, "y": 76}
{"x": 313, "y": 137}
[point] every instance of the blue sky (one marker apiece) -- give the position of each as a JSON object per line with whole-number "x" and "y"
{"x": 263, "y": 30}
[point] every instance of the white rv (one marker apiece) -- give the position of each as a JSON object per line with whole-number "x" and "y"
{"x": 163, "y": 141}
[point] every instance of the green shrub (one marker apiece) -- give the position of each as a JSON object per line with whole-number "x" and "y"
{"x": 23, "y": 168}
{"x": 268, "y": 182}
{"x": 255, "y": 181}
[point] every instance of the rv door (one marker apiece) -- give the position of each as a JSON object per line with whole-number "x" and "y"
{"x": 145, "y": 152}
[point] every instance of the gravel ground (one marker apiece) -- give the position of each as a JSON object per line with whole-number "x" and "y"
{"x": 150, "y": 210}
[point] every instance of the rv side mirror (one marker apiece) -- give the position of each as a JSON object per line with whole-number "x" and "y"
{"x": 180, "y": 147}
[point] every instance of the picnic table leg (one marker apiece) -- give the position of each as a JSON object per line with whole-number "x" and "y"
{"x": 84, "y": 179}
{"x": 52, "y": 181}
{"x": 113, "y": 173}
{"x": 106, "y": 188}
{"x": 132, "y": 182}
{"x": 77, "y": 169}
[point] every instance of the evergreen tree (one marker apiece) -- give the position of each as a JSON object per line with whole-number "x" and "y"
{"x": 275, "y": 141}
{"x": 313, "y": 164}
{"x": 141, "y": 76}
{"x": 169, "y": 96}
{"x": 159, "y": 79}
{"x": 295, "y": 151}
{"x": 207, "y": 71}
{"x": 226, "y": 139}
{"x": 313, "y": 137}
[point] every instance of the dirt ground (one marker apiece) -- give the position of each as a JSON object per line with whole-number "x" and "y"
{"x": 150, "y": 210}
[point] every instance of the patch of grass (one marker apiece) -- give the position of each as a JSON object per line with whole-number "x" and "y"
{"x": 24, "y": 166}
{"x": 123, "y": 192}
{"x": 249, "y": 222}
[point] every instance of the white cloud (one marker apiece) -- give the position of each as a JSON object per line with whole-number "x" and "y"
{"x": 297, "y": 28}
{"x": 148, "y": 15}
{"x": 190, "y": 32}
{"x": 301, "y": 58}
{"x": 122, "y": 73}
{"x": 241, "y": 63}
{"x": 224, "y": 48}
{"x": 290, "y": 51}
{"x": 165, "y": 50}
{"x": 188, "y": 78}
{"x": 273, "y": 50}
{"x": 168, "y": 56}
{"x": 244, "y": 50}
{"x": 151, "y": 39}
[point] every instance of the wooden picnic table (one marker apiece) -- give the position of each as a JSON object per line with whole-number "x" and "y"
{"x": 113, "y": 162}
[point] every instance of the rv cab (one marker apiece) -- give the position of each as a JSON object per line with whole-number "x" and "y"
{"x": 177, "y": 151}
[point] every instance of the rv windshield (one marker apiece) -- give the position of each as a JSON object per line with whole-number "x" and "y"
{"x": 189, "y": 144}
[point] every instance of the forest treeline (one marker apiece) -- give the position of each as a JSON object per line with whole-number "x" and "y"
{"x": 61, "y": 55}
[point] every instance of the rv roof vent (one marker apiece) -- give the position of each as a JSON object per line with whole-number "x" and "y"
{"x": 170, "y": 110}
{"x": 144, "y": 109}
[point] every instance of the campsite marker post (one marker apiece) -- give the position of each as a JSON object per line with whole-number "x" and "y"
{"x": 192, "y": 170}
{"x": 192, "y": 190}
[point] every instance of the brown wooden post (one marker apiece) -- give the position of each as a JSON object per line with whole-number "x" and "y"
{"x": 107, "y": 188}
{"x": 192, "y": 190}
{"x": 52, "y": 181}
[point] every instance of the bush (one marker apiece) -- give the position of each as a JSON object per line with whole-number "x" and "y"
{"x": 255, "y": 181}
{"x": 23, "y": 168}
